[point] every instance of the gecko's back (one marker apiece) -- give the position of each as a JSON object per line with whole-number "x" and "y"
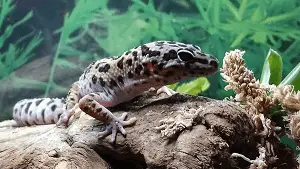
{"x": 153, "y": 64}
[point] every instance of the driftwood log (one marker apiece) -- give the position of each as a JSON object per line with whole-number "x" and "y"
{"x": 220, "y": 129}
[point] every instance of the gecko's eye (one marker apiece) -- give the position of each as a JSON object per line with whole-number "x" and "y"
{"x": 185, "y": 55}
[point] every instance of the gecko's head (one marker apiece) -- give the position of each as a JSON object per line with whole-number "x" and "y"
{"x": 179, "y": 60}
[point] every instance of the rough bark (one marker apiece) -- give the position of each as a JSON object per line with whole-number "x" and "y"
{"x": 221, "y": 129}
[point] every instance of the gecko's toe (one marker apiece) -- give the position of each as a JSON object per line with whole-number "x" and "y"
{"x": 166, "y": 90}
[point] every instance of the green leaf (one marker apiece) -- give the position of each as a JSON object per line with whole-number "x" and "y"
{"x": 293, "y": 78}
{"x": 173, "y": 86}
{"x": 194, "y": 87}
{"x": 272, "y": 69}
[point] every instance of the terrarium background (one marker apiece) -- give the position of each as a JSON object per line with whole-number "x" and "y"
{"x": 216, "y": 25}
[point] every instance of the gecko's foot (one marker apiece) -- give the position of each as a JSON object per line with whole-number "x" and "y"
{"x": 64, "y": 119}
{"x": 166, "y": 90}
{"x": 117, "y": 125}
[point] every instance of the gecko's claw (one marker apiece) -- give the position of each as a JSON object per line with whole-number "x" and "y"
{"x": 117, "y": 125}
{"x": 64, "y": 119}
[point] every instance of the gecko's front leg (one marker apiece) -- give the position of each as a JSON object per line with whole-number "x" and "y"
{"x": 92, "y": 105}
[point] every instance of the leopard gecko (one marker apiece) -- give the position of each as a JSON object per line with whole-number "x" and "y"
{"x": 110, "y": 81}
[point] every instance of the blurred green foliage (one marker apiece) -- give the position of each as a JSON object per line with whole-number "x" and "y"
{"x": 14, "y": 55}
{"x": 215, "y": 25}
{"x": 272, "y": 72}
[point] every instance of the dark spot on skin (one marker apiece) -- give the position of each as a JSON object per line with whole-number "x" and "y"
{"x": 127, "y": 52}
{"x": 203, "y": 61}
{"x": 138, "y": 69}
{"x": 129, "y": 62}
{"x": 120, "y": 63}
{"x": 160, "y": 66}
{"x": 154, "y": 53}
{"x": 90, "y": 85}
{"x": 53, "y": 107}
{"x": 98, "y": 110}
{"x": 91, "y": 94}
{"x": 85, "y": 109}
{"x": 154, "y": 62}
{"x": 62, "y": 100}
{"x": 27, "y": 107}
{"x": 93, "y": 105}
{"x": 94, "y": 79}
{"x": 43, "y": 115}
{"x": 145, "y": 50}
{"x": 120, "y": 79}
{"x": 134, "y": 53}
{"x": 130, "y": 75}
{"x": 101, "y": 81}
{"x": 105, "y": 68}
{"x": 30, "y": 113}
{"x": 38, "y": 102}
{"x": 58, "y": 115}
{"x": 15, "y": 111}
{"x": 108, "y": 92}
{"x": 172, "y": 54}
{"x": 97, "y": 66}
{"x": 112, "y": 83}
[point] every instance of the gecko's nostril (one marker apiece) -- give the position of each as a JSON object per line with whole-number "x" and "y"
{"x": 214, "y": 63}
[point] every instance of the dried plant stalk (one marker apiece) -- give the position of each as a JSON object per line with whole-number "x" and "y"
{"x": 244, "y": 84}
{"x": 287, "y": 97}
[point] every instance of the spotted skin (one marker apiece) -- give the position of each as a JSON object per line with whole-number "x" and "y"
{"x": 29, "y": 112}
{"x": 110, "y": 81}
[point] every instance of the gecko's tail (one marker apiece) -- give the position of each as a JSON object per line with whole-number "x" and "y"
{"x": 38, "y": 111}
